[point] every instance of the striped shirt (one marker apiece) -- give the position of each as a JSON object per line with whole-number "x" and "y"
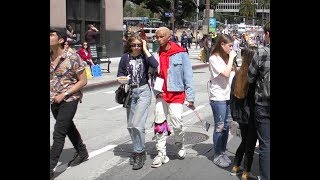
{"x": 259, "y": 66}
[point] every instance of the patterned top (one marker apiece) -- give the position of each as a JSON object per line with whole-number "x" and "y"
{"x": 64, "y": 76}
{"x": 260, "y": 64}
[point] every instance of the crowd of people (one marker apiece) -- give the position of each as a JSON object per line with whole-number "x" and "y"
{"x": 234, "y": 92}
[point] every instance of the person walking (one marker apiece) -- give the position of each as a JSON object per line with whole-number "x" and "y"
{"x": 67, "y": 78}
{"x": 176, "y": 79}
{"x": 259, "y": 66}
{"x": 242, "y": 111}
{"x": 220, "y": 66}
{"x": 135, "y": 63}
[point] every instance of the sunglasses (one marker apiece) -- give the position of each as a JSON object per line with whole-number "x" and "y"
{"x": 136, "y": 45}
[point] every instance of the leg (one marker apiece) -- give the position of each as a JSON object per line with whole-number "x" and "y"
{"x": 160, "y": 116}
{"x": 250, "y": 145}
{"x": 175, "y": 114}
{"x": 219, "y": 110}
{"x": 141, "y": 100}
{"x": 63, "y": 113}
{"x": 263, "y": 131}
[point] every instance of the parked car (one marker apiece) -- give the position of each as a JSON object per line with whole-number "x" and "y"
{"x": 150, "y": 32}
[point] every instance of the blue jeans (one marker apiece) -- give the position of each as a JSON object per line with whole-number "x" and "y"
{"x": 262, "y": 114}
{"x": 137, "y": 115}
{"x": 221, "y": 111}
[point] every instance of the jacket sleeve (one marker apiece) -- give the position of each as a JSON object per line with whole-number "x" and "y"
{"x": 122, "y": 69}
{"x": 188, "y": 77}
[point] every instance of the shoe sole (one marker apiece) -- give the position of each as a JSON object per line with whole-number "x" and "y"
{"x": 158, "y": 165}
{"x": 84, "y": 159}
{"x": 235, "y": 174}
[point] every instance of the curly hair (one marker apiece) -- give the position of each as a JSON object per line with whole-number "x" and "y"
{"x": 127, "y": 46}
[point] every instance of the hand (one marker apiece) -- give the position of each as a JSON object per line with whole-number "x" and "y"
{"x": 189, "y": 104}
{"x": 144, "y": 43}
{"x": 58, "y": 98}
{"x": 232, "y": 54}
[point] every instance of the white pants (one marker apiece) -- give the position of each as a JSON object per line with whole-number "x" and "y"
{"x": 172, "y": 112}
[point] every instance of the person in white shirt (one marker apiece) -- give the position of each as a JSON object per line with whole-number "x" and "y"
{"x": 221, "y": 70}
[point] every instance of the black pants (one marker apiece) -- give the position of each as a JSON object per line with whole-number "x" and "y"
{"x": 64, "y": 126}
{"x": 247, "y": 145}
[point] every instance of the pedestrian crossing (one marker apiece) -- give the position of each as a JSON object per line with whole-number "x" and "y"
{"x": 194, "y": 53}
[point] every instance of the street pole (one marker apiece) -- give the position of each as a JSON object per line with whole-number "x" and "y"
{"x": 205, "y": 28}
{"x": 197, "y": 19}
{"x": 172, "y": 17}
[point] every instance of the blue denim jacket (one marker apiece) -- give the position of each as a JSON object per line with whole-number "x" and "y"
{"x": 180, "y": 75}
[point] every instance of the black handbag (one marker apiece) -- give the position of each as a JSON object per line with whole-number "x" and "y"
{"x": 123, "y": 97}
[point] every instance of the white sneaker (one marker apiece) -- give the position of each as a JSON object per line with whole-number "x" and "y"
{"x": 181, "y": 150}
{"x": 182, "y": 153}
{"x": 159, "y": 160}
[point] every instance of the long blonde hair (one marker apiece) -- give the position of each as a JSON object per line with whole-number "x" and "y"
{"x": 241, "y": 85}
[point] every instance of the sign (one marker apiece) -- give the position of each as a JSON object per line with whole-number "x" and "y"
{"x": 168, "y": 14}
{"x": 212, "y": 24}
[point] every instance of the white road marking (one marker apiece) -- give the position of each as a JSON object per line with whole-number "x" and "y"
{"x": 100, "y": 151}
{"x": 116, "y": 107}
{"x": 109, "y": 92}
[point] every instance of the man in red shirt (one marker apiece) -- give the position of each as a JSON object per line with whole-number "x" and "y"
{"x": 175, "y": 84}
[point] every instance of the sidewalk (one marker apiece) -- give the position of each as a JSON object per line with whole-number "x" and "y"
{"x": 109, "y": 79}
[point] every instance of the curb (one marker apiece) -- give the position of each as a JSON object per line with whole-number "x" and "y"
{"x": 96, "y": 86}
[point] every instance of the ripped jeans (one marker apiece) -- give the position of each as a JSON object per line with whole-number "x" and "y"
{"x": 222, "y": 120}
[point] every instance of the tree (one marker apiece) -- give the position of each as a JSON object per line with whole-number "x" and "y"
{"x": 132, "y": 10}
{"x": 263, "y": 4}
{"x": 162, "y": 6}
{"x": 247, "y": 8}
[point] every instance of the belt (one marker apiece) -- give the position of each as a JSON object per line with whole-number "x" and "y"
{"x": 137, "y": 85}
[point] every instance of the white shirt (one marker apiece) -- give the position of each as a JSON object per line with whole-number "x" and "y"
{"x": 220, "y": 85}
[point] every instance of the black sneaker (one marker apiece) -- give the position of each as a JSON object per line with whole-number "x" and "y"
{"x": 132, "y": 158}
{"x": 139, "y": 160}
{"x": 79, "y": 158}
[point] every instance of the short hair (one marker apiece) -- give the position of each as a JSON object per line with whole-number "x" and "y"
{"x": 61, "y": 32}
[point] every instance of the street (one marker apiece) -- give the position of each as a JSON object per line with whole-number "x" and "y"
{"x": 102, "y": 125}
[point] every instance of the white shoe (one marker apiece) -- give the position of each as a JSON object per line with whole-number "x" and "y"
{"x": 181, "y": 150}
{"x": 159, "y": 160}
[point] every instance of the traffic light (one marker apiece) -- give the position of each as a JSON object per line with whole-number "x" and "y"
{"x": 178, "y": 8}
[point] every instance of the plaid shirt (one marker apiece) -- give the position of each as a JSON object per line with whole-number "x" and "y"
{"x": 259, "y": 65}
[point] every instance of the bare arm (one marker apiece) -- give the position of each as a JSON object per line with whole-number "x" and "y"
{"x": 228, "y": 69}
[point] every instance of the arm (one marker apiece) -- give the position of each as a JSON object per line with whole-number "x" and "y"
{"x": 188, "y": 78}
{"x": 253, "y": 68}
{"x": 228, "y": 69}
{"x": 122, "y": 66}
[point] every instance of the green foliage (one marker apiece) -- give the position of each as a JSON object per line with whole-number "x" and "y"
{"x": 133, "y": 10}
{"x": 247, "y": 8}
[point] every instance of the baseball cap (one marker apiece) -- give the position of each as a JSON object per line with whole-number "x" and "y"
{"x": 60, "y": 31}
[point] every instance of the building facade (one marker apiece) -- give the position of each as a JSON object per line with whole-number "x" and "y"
{"x": 233, "y": 6}
{"x": 106, "y": 15}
